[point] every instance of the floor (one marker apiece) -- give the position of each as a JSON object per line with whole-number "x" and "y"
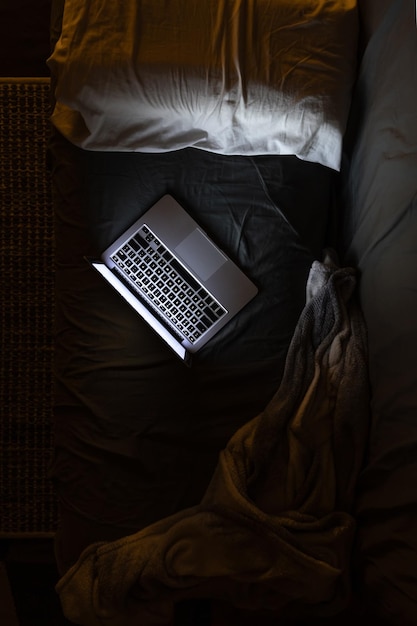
{"x": 27, "y": 569}
{"x": 24, "y": 37}
{"x": 31, "y": 577}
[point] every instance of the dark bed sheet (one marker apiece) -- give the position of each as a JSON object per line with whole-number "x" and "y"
{"x": 137, "y": 434}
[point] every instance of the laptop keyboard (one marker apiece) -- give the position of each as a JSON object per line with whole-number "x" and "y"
{"x": 168, "y": 284}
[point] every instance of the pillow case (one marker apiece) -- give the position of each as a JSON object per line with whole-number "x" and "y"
{"x": 264, "y": 77}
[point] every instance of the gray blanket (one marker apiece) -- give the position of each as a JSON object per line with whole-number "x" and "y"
{"x": 275, "y": 529}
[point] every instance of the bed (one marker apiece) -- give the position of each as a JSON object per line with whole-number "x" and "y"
{"x": 273, "y": 479}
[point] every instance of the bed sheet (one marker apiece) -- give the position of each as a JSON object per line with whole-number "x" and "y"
{"x": 137, "y": 433}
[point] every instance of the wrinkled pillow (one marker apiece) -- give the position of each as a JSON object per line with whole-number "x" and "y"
{"x": 265, "y": 77}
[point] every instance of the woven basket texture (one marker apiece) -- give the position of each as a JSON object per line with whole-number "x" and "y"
{"x": 27, "y": 499}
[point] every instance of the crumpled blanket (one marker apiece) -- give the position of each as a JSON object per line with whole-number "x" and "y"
{"x": 275, "y": 529}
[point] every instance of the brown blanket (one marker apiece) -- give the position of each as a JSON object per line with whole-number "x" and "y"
{"x": 274, "y": 531}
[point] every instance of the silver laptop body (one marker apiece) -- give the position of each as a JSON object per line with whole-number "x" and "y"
{"x": 175, "y": 277}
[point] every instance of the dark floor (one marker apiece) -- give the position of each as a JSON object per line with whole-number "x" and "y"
{"x": 32, "y": 576}
{"x": 24, "y": 37}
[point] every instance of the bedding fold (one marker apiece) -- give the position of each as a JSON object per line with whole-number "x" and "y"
{"x": 274, "y": 530}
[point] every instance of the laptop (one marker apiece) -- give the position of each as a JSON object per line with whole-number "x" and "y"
{"x": 176, "y": 278}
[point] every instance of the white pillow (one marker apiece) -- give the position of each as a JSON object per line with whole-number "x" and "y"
{"x": 260, "y": 77}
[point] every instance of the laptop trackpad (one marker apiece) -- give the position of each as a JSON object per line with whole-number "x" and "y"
{"x": 200, "y": 254}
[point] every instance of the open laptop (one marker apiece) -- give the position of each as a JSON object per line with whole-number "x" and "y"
{"x": 175, "y": 277}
